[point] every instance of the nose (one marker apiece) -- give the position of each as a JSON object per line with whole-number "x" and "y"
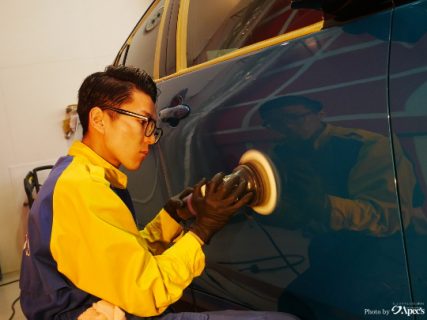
{"x": 150, "y": 140}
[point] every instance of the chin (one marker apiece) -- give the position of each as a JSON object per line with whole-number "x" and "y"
{"x": 132, "y": 166}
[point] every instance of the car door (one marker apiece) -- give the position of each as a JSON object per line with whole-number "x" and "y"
{"x": 333, "y": 248}
{"x": 263, "y": 262}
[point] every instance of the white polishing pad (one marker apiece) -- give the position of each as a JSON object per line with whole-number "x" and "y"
{"x": 270, "y": 183}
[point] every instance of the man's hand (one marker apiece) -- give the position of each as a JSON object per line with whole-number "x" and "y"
{"x": 221, "y": 200}
{"x": 176, "y": 206}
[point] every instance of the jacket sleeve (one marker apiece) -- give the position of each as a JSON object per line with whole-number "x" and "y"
{"x": 160, "y": 232}
{"x": 97, "y": 246}
{"x": 372, "y": 206}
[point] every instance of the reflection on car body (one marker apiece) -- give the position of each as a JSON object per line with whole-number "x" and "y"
{"x": 348, "y": 235}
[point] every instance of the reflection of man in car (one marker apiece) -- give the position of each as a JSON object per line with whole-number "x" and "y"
{"x": 340, "y": 177}
{"x": 338, "y": 186}
{"x": 83, "y": 252}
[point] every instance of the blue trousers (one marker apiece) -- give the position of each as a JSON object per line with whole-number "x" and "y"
{"x": 209, "y": 315}
{"x": 223, "y": 315}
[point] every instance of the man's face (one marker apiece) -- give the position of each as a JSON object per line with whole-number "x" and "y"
{"x": 295, "y": 122}
{"x": 125, "y": 138}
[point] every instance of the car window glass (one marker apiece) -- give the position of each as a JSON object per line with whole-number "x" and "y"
{"x": 218, "y": 27}
{"x": 168, "y": 53}
{"x": 120, "y": 59}
{"x": 143, "y": 43}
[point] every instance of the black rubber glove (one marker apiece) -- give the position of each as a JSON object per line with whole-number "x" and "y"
{"x": 176, "y": 206}
{"x": 221, "y": 200}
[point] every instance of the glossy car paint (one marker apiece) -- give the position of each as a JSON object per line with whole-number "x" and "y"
{"x": 408, "y": 97}
{"x": 366, "y": 83}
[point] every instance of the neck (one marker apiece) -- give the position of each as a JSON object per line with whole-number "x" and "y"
{"x": 98, "y": 146}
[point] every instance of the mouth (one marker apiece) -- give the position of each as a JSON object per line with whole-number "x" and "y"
{"x": 143, "y": 154}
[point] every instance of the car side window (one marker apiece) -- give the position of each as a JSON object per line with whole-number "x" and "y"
{"x": 167, "y": 59}
{"x": 142, "y": 42}
{"x": 218, "y": 27}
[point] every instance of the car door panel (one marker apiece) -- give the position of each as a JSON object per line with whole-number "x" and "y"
{"x": 260, "y": 262}
{"x": 341, "y": 243}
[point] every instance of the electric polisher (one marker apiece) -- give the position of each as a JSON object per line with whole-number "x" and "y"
{"x": 261, "y": 177}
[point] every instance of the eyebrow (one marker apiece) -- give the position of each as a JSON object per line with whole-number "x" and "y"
{"x": 147, "y": 114}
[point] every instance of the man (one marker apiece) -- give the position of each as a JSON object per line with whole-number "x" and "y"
{"x": 340, "y": 177}
{"x": 339, "y": 189}
{"x": 83, "y": 245}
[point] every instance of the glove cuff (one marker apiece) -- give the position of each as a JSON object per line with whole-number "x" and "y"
{"x": 172, "y": 213}
{"x": 202, "y": 234}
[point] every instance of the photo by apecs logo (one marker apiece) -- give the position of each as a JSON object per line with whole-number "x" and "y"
{"x": 409, "y": 311}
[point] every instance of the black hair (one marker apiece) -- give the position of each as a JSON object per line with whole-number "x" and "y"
{"x": 111, "y": 88}
{"x": 286, "y": 101}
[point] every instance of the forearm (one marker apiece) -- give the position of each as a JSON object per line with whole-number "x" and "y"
{"x": 123, "y": 272}
{"x": 97, "y": 247}
{"x": 372, "y": 203}
{"x": 374, "y": 217}
{"x": 160, "y": 232}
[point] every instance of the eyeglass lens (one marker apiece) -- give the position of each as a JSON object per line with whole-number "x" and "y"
{"x": 150, "y": 128}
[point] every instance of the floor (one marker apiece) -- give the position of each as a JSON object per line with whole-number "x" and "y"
{"x": 9, "y": 292}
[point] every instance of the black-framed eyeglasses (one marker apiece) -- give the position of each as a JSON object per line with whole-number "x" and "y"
{"x": 150, "y": 124}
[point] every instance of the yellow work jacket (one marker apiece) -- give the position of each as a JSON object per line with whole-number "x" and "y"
{"x": 95, "y": 244}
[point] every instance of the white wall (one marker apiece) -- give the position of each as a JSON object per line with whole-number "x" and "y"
{"x": 47, "y": 48}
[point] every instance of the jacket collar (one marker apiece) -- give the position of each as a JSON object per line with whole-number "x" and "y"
{"x": 116, "y": 178}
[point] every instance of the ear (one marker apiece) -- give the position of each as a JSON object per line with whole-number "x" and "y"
{"x": 96, "y": 119}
